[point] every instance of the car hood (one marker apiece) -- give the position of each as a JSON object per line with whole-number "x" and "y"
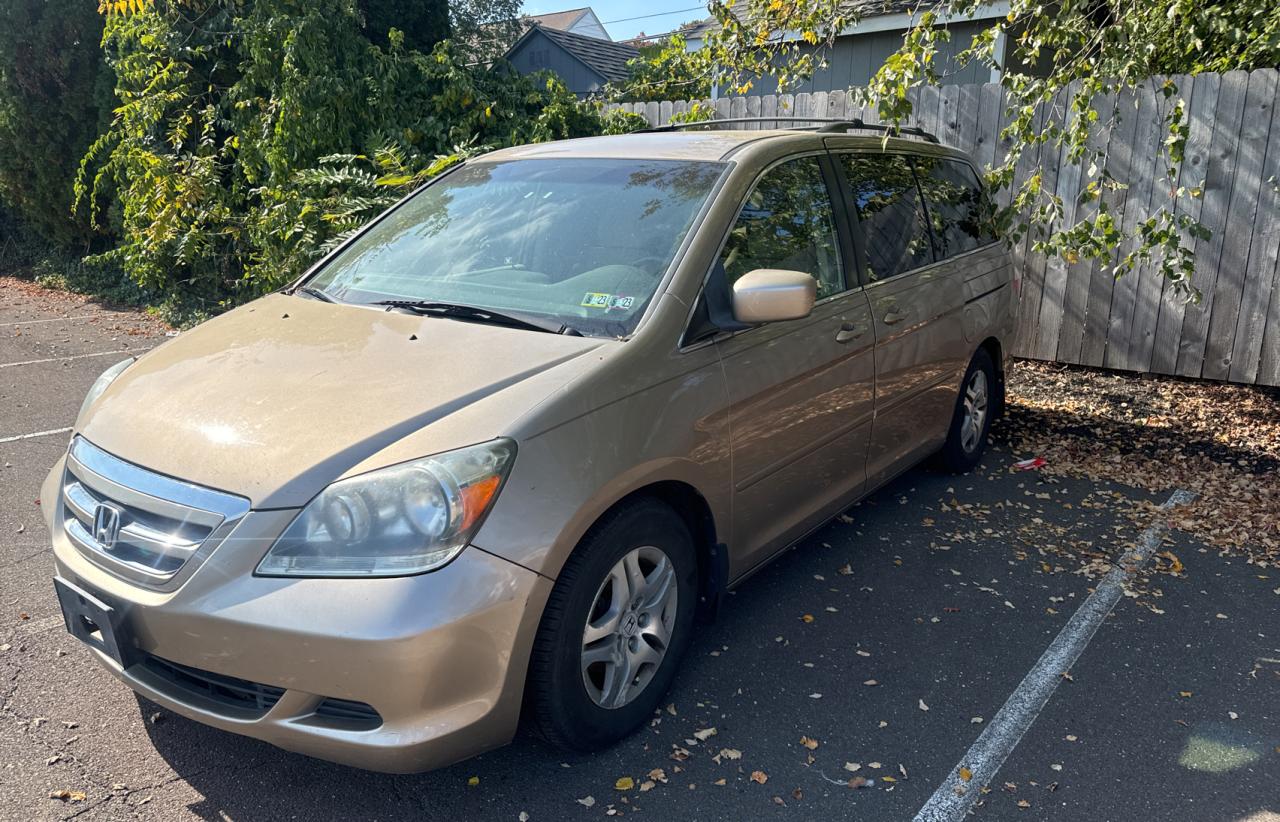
{"x": 278, "y": 398}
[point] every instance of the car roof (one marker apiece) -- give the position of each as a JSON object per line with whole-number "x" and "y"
{"x": 699, "y": 144}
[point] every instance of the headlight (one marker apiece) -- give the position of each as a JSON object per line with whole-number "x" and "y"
{"x": 104, "y": 379}
{"x": 405, "y": 519}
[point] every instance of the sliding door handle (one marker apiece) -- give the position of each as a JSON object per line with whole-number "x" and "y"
{"x": 849, "y": 332}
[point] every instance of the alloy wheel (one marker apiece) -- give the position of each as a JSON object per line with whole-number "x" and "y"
{"x": 629, "y": 627}
{"x": 975, "y": 411}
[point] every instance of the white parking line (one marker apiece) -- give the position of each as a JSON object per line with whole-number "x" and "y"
{"x": 48, "y": 320}
{"x": 61, "y": 359}
{"x": 954, "y": 798}
{"x": 17, "y": 437}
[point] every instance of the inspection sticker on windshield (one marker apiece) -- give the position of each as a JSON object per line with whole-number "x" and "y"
{"x": 609, "y": 302}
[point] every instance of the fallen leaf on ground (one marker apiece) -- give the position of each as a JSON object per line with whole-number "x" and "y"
{"x": 965, "y": 774}
{"x": 624, "y": 783}
{"x": 811, "y": 744}
{"x": 68, "y": 796}
{"x": 759, "y": 777}
{"x": 1220, "y": 440}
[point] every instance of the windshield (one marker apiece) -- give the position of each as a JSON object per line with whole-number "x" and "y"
{"x": 582, "y": 241}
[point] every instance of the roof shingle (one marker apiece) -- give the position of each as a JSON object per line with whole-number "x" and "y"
{"x": 606, "y": 58}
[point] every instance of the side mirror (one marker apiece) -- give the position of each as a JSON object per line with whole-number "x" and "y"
{"x": 769, "y": 295}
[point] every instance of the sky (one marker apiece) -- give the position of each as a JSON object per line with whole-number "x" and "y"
{"x": 615, "y": 13}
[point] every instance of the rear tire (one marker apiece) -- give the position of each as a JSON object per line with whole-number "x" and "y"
{"x": 615, "y": 627}
{"x": 971, "y": 420}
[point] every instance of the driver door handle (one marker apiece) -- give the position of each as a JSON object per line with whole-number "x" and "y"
{"x": 849, "y": 332}
{"x": 894, "y": 317}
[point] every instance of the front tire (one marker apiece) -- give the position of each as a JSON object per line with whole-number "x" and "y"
{"x": 615, "y": 626}
{"x": 971, "y": 421}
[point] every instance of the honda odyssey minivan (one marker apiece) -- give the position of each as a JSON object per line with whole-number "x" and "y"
{"x": 485, "y": 463}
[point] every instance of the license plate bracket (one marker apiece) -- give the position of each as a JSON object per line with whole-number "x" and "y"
{"x": 93, "y": 622}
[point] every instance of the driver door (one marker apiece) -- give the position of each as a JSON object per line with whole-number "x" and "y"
{"x": 801, "y": 392}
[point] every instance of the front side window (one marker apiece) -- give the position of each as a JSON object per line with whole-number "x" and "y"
{"x": 958, "y": 208}
{"x": 582, "y": 241}
{"x": 893, "y": 225}
{"x": 787, "y": 223}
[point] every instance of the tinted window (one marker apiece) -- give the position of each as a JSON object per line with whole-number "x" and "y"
{"x": 584, "y": 241}
{"x": 958, "y": 210}
{"x": 888, "y": 204}
{"x": 787, "y": 223}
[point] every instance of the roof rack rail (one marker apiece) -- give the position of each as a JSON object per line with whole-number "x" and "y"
{"x": 822, "y": 125}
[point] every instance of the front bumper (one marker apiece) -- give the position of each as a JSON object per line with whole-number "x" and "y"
{"x": 441, "y": 657}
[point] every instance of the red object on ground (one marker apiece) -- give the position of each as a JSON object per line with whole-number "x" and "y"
{"x": 1027, "y": 465}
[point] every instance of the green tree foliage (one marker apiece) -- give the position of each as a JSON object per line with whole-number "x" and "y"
{"x": 485, "y": 29}
{"x": 1083, "y": 53}
{"x": 55, "y": 94}
{"x": 252, "y": 134}
{"x": 423, "y": 23}
{"x": 661, "y": 72}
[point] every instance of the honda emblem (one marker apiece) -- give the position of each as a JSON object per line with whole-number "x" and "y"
{"x": 106, "y": 525}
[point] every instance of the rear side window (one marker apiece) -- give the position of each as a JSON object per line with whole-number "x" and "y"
{"x": 787, "y": 222}
{"x": 883, "y": 189}
{"x": 958, "y": 208}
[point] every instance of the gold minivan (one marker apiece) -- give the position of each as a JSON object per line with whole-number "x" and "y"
{"x": 487, "y": 461}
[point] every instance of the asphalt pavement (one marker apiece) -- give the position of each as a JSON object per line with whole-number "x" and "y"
{"x": 877, "y": 651}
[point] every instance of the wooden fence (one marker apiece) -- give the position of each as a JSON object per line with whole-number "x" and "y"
{"x": 1079, "y": 312}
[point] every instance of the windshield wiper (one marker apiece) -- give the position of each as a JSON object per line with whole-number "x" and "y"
{"x": 315, "y": 293}
{"x": 459, "y": 311}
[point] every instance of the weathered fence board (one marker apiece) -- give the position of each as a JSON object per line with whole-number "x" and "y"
{"x": 1078, "y": 312}
{"x": 1213, "y": 214}
{"x": 1260, "y": 277}
{"x": 1191, "y": 178}
{"x": 1067, "y": 187}
{"x": 1241, "y": 223}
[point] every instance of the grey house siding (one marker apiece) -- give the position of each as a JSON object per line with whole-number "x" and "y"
{"x": 589, "y": 26}
{"x": 854, "y": 59}
{"x": 538, "y": 52}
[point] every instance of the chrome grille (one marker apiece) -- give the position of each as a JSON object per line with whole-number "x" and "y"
{"x": 136, "y": 523}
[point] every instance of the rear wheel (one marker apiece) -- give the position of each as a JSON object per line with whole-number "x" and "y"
{"x": 614, "y": 629}
{"x": 971, "y": 421}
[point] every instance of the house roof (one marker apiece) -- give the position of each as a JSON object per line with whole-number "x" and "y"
{"x": 604, "y": 57}
{"x": 563, "y": 20}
